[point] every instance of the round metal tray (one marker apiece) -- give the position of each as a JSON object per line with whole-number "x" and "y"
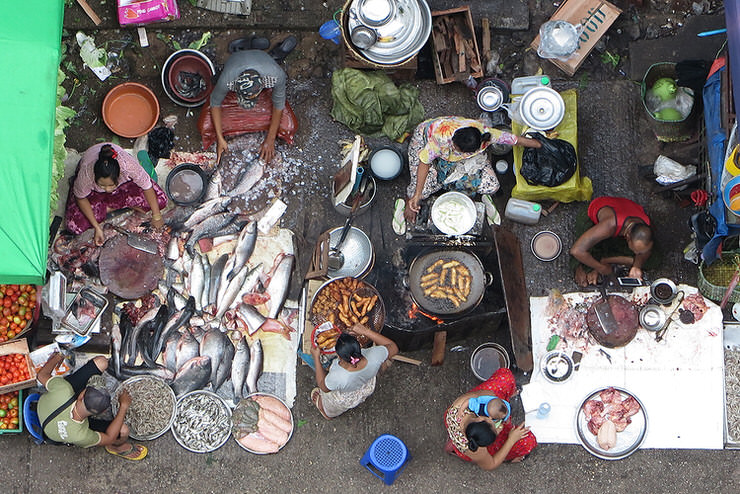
{"x": 357, "y": 250}
{"x": 292, "y": 423}
{"x": 628, "y": 441}
{"x": 220, "y": 402}
{"x": 135, "y": 379}
{"x": 556, "y": 367}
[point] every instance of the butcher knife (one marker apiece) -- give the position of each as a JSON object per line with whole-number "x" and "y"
{"x": 137, "y": 242}
{"x": 604, "y": 312}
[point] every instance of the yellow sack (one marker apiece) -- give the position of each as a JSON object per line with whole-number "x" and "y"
{"x": 576, "y": 188}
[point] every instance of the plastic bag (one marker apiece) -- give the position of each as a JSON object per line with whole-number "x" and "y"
{"x": 551, "y": 165}
{"x": 669, "y": 171}
{"x": 160, "y": 143}
{"x": 559, "y": 39}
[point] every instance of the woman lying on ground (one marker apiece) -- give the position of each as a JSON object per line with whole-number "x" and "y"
{"x": 351, "y": 377}
{"x": 480, "y": 428}
{"x": 445, "y": 153}
{"x": 107, "y": 179}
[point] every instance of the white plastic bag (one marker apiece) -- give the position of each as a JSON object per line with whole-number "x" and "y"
{"x": 669, "y": 171}
{"x": 559, "y": 39}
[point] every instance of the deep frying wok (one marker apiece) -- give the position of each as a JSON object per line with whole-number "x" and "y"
{"x": 444, "y": 307}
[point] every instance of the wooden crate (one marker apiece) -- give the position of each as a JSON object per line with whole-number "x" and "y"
{"x": 455, "y": 47}
{"x": 18, "y": 346}
{"x": 405, "y": 71}
{"x": 595, "y": 16}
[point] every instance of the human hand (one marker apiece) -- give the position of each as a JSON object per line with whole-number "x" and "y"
{"x": 518, "y": 432}
{"x": 359, "y": 329}
{"x": 221, "y": 147}
{"x": 315, "y": 350}
{"x": 635, "y": 272}
{"x": 157, "y": 221}
{"x": 124, "y": 399}
{"x": 267, "y": 150}
{"x": 99, "y": 236}
{"x": 592, "y": 277}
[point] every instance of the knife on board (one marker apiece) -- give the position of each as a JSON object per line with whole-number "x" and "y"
{"x": 604, "y": 312}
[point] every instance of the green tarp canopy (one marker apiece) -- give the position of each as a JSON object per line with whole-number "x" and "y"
{"x": 30, "y": 42}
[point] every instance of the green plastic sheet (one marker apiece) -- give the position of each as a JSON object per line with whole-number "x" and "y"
{"x": 30, "y": 42}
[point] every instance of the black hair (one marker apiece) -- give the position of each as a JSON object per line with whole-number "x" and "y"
{"x": 469, "y": 139}
{"x": 501, "y": 407}
{"x": 348, "y": 347}
{"x": 641, "y": 233}
{"x": 107, "y": 166}
{"x": 479, "y": 434}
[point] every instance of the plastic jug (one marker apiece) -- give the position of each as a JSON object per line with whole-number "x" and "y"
{"x": 523, "y": 211}
{"x": 330, "y": 30}
{"x": 521, "y": 85}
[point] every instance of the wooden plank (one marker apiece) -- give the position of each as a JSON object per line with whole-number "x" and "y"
{"x": 406, "y": 360}
{"x": 485, "y": 26}
{"x": 515, "y": 294}
{"x": 89, "y": 11}
{"x": 438, "y": 349}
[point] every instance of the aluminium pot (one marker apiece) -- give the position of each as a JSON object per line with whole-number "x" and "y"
{"x": 422, "y": 266}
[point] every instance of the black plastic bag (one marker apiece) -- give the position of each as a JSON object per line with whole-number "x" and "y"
{"x": 551, "y": 165}
{"x": 160, "y": 142}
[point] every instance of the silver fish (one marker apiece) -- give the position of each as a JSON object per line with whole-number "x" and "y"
{"x": 213, "y": 189}
{"x": 187, "y": 348}
{"x": 277, "y": 289}
{"x": 255, "y": 365}
{"x": 176, "y": 321}
{"x": 244, "y": 248}
{"x": 209, "y": 227}
{"x": 206, "y": 280}
{"x": 252, "y": 317}
{"x": 232, "y": 289}
{"x": 170, "y": 351}
{"x": 248, "y": 179}
{"x": 187, "y": 261}
{"x": 224, "y": 367}
{"x": 206, "y": 210}
{"x": 179, "y": 299}
{"x": 173, "y": 248}
{"x": 213, "y": 345}
{"x": 141, "y": 370}
{"x": 196, "y": 280}
{"x": 197, "y": 332}
{"x": 194, "y": 374}
{"x": 115, "y": 336}
{"x": 239, "y": 367}
{"x": 216, "y": 269}
{"x": 249, "y": 284}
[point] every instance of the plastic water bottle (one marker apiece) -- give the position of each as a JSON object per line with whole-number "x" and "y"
{"x": 521, "y": 85}
{"x": 523, "y": 211}
{"x": 544, "y": 410}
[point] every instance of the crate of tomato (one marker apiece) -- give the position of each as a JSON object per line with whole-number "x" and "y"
{"x": 16, "y": 369}
{"x": 11, "y": 412}
{"x": 17, "y": 310}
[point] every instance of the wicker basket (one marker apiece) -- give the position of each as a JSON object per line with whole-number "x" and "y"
{"x": 722, "y": 269}
{"x": 667, "y": 131}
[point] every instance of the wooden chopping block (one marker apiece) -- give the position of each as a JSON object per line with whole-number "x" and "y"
{"x": 438, "y": 349}
{"x": 89, "y": 11}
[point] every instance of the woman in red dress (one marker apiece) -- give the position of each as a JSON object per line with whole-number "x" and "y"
{"x": 468, "y": 429}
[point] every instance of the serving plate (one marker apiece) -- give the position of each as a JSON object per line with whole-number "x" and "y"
{"x": 628, "y": 441}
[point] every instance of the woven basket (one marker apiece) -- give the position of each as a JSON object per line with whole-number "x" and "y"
{"x": 714, "y": 279}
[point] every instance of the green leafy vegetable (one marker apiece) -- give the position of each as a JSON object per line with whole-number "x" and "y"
{"x": 64, "y": 116}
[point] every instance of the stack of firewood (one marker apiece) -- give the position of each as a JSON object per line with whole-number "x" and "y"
{"x": 455, "y": 47}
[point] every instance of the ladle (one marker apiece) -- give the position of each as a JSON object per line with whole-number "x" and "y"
{"x": 336, "y": 257}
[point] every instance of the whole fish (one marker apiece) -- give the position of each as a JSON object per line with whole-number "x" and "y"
{"x": 127, "y": 330}
{"x": 187, "y": 348}
{"x": 244, "y": 248}
{"x": 277, "y": 289}
{"x": 252, "y": 317}
{"x": 197, "y": 332}
{"x": 176, "y": 217}
{"x": 140, "y": 370}
{"x": 209, "y": 227}
{"x": 224, "y": 367}
{"x": 223, "y": 283}
{"x": 206, "y": 210}
{"x": 255, "y": 365}
{"x": 194, "y": 374}
{"x": 196, "y": 281}
{"x": 206, "y": 280}
{"x": 115, "y": 355}
{"x": 213, "y": 345}
{"x": 160, "y": 320}
{"x": 216, "y": 270}
{"x": 176, "y": 322}
{"x": 232, "y": 289}
{"x": 173, "y": 248}
{"x": 179, "y": 299}
{"x": 248, "y": 179}
{"x": 213, "y": 189}
{"x": 187, "y": 260}
{"x": 170, "y": 351}
{"x": 239, "y": 367}
{"x": 143, "y": 344}
{"x": 132, "y": 350}
{"x": 250, "y": 284}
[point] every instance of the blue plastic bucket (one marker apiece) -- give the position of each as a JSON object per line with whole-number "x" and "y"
{"x": 330, "y": 30}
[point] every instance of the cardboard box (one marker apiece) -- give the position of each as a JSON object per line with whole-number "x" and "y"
{"x": 455, "y": 47}
{"x": 18, "y": 346}
{"x": 596, "y": 16}
{"x": 139, "y": 12}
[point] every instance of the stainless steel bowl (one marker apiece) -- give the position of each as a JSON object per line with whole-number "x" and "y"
{"x": 357, "y": 250}
{"x": 205, "y": 448}
{"x": 487, "y": 359}
{"x": 652, "y": 317}
{"x": 454, "y": 213}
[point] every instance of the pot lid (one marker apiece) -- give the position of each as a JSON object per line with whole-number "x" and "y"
{"x": 490, "y": 98}
{"x": 376, "y": 12}
{"x": 542, "y": 108}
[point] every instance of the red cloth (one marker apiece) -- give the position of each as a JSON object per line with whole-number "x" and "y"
{"x": 623, "y": 208}
{"x": 125, "y": 195}
{"x": 236, "y": 120}
{"x": 503, "y": 385}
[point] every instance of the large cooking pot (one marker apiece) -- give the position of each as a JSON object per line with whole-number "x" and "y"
{"x": 627, "y": 318}
{"x": 422, "y": 266}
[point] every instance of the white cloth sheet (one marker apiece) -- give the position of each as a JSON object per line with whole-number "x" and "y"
{"x": 678, "y": 380}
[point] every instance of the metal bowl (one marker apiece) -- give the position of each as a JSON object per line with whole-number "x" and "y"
{"x": 165, "y": 77}
{"x": 557, "y": 367}
{"x": 386, "y": 162}
{"x": 365, "y": 202}
{"x": 186, "y": 184}
{"x": 133, "y": 380}
{"x": 454, "y": 213}
{"x": 652, "y": 317}
{"x": 357, "y": 250}
{"x": 292, "y": 423}
{"x": 628, "y": 441}
{"x": 546, "y": 246}
{"x": 663, "y": 291}
{"x": 487, "y": 359}
{"x": 218, "y": 401}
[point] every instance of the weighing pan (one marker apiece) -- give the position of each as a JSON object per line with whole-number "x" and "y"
{"x": 443, "y": 306}
{"x": 128, "y": 272}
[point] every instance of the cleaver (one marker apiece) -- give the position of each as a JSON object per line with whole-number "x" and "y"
{"x": 604, "y": 312}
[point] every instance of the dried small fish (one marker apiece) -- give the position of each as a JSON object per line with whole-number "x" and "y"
{"x": 732, "y": 392}
{"x": 202, "y": 423}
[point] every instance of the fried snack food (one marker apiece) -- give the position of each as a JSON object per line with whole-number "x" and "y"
{"x": 327, "y": 340}
{"x": 341, "y": 303}
{"x": 446, "y": 279}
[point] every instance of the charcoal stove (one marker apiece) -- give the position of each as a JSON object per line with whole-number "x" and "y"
{"x": 409, "y": 326}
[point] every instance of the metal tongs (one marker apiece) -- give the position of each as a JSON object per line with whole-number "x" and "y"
{"x": 661, "y": 332}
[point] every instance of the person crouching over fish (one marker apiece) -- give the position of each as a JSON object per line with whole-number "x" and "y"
{"x": 107, "y": 179}
{"x": 479, "y": 426}
{"x": 65, "y": 410}
{"x": 351, "y": 377}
